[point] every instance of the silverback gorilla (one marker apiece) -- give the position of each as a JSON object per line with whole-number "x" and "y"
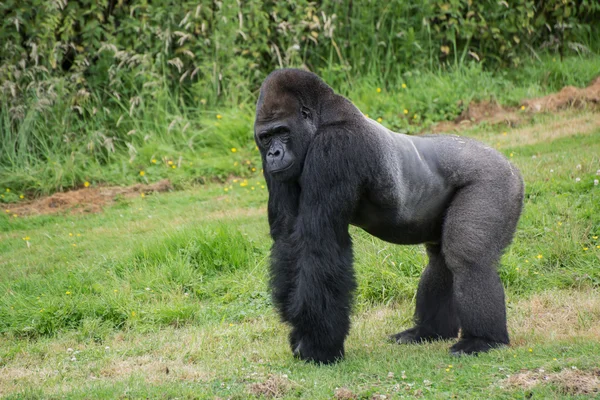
{"x": 328, "y": 166}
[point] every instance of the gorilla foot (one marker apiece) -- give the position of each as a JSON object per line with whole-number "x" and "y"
{"x": 416, "y": 334}
{"x": 303, "y": 350}
{"x": 474, "y": 345}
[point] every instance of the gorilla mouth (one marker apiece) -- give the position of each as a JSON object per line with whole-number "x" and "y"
{"x": 276, "y": 171}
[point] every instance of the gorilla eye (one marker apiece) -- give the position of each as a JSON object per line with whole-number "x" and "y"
{"x": 305, "y": 112}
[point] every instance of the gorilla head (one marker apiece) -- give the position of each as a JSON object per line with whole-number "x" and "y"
{"x": 328, "y": 166}
{"x": 287, "y": 119}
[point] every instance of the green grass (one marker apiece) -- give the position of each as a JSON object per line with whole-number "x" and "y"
{"x": 103, "y": 305}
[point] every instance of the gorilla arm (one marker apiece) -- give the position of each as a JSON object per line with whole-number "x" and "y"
{"x": 320, "y": 300}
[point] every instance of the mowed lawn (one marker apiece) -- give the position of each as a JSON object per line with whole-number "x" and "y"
{"x": 165, "y": 296}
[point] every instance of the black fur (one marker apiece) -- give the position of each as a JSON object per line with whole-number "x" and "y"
{"x": 327, "y": 166}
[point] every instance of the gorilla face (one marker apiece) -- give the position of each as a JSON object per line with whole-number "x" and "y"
{"x": 283, "y": 131}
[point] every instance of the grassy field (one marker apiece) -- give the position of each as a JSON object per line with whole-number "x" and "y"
{"x": 165, "y": 296}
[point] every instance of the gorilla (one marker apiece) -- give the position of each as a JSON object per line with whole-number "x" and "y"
{"x": 328, "y": 166}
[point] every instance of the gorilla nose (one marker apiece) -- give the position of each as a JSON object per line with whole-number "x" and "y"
{"x": 274, "y": 153}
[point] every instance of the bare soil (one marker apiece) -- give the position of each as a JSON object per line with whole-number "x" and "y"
{"x": 275, "y": 386}
{"x": 86, "y": 200}
{"x": 493, "y": 113}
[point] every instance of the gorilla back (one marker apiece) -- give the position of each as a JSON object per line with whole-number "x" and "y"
{"x": 328, "y": 166}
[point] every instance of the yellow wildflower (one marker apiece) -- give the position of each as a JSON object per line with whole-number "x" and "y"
{"x": 170, "y": 162}
{"x": 86, "y": 184}
{"x": 539, "y": 256}
{"x": 219, "y": 116}
{"x": 522, "y": 107}
{"x": 233, "y": 149}
{"x": 405, "y": 111}
{"x": 585, "y": 249}
{"x": 404, "y": 86}
{"x": 21, "y": 196}
{"x": 7, "y": 190}
{"x": 26, "y": 238}
{"x": 379, "y": 119}
{"x": 142, "y": 173}
{"x": 143, "y": 194}
{"x": 67, "y": 292}
{"x": 378, "y": 90}
{"x": 173, "y": 166}
{"x": 154, "y": 161}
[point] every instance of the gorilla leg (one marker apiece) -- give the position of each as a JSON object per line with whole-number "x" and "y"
{"x": 480, "y": 303}
{"x": 435, "y": 315}
{"x": 479, "y": 224}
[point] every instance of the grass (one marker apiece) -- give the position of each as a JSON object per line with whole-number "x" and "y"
{"x": 166, "y": 296}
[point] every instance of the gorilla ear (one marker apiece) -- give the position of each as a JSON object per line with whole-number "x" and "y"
{"x": 305, "y": 112}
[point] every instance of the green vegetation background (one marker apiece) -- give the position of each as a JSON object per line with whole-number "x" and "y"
{"x": 95, "y": 90}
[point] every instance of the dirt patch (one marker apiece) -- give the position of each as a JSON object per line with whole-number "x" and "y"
{"x": 567, "y": 382}
{"x": 87, "y": 200}
{"x": 274, "y": 387}
{"x": 493, "y": 113}
{"x": 344, "y": 394}
{"x": 569, "y": 96}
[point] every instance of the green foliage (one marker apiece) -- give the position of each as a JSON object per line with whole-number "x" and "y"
{"x": 94, "y": 90}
